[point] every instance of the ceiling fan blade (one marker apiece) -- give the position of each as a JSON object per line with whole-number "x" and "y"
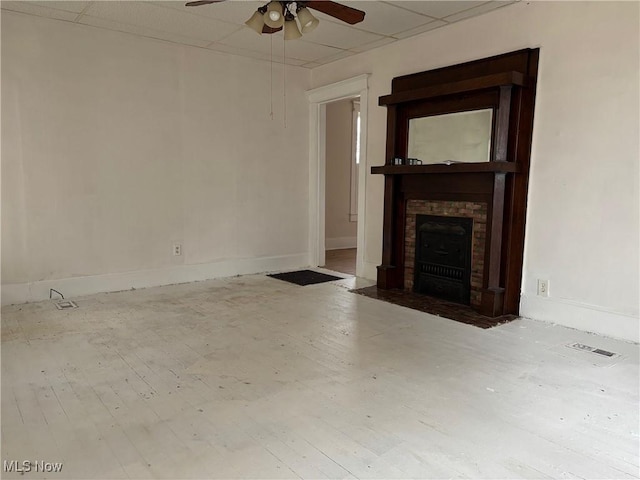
{"x": 268, "y": 29}
{"x": 337, "y": 10}
{"x": 201, "y": 2}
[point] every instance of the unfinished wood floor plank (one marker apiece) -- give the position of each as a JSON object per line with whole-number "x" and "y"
{"x": 252, "y": 377}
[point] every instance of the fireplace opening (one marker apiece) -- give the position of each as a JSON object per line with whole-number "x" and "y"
{"x": 443, "y": 257}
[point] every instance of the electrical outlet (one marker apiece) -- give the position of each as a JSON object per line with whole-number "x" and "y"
{"x": 177, "y": 249}
{"x": 543, "y": 288}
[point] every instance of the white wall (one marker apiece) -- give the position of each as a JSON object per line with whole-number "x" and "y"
{"x": 116, "y": 147}
{"x": 340, "y": 232}
{"x": 582, "y": 219}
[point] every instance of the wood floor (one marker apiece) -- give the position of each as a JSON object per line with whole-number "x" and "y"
{"x": 343, "y": 261}
{"x": 252, "y": 377}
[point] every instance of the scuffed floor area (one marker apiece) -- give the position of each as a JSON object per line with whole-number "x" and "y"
{"x": 252, "y": 377}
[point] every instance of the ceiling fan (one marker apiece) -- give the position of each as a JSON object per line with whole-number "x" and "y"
{"x": 275, "y": 15}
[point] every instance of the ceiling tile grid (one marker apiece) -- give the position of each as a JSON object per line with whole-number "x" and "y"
{"x": 148, "y": 15}
{"x": 142, "y": 31}
{"x": 437, "y": 9}
{"x": 220, "y": 26}
{"x": 339, "y": 35}
{"x": 32, "y": 8}
{"x": 76, "y": 7}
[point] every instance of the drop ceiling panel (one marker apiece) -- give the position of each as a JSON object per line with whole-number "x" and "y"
{"x": 422, "y": 29}
{"x": 220, "y": 26}
{"x": 310, "y": 52}
{"x": 236, "y": 12}
{"x": 219, "y": 47}
{"x": 372, "y": 45}
{"x": 386, "y": 19}
{"x": 475, "y": 11}
{"x": 247, "y": 39}
{"x": 75, "y": 7}
{"x": 38, "y": 10}
{"x": 142, "y": 31}
{"x": 162, "y": 19}
{"x": 290, "y": 61}
{"x": 338, "y": 35}
{"x": 437, "y": 9}
{"x": 338, "y": 56}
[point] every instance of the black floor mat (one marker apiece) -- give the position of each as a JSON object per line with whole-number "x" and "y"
{"x": 305, "y": 277}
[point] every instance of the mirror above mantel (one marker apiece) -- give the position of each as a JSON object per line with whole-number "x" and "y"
{"x": 459, "y": 137}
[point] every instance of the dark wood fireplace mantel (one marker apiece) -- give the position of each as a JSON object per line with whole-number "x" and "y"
{"x": 505, "y": 83}
{"x": 487, "y": 167}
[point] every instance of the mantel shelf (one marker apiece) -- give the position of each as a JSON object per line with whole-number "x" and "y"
{"x": 486, "y": 167}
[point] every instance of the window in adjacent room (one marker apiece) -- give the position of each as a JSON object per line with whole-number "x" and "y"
{"x": 355, "y": 161}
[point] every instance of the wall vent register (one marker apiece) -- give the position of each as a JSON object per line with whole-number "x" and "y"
{"x": 66, "y": 305}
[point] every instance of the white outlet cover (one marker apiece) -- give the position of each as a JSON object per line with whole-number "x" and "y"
{"x": 543, "y": 288}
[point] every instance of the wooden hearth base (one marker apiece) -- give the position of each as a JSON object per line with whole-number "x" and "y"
{"x": 434, "y": 306}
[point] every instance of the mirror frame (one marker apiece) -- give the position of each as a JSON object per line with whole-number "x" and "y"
{"x": 466, "y": 103}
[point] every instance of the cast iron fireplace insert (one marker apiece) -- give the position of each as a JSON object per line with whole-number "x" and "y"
{"x": 443, "y": 257}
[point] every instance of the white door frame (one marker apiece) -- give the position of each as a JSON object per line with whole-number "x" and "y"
{"x": 318, "y": 99}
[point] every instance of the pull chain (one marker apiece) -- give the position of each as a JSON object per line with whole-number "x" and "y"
{"x": 284, "y": 81}
{"x": 271, "y": 77}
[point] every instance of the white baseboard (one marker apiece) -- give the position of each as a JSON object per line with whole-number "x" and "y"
{"x": 582, "y": 317}
{"x": 339, "y": 243}
{"x": 370, "y": 271}
{"x": 87, "y": 285}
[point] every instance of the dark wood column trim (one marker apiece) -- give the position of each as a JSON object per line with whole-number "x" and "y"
{"x": 495, "y": 231}
{"x": 492, "y": 295}
{"x": 502, "y": 125}
{"x": 387, "y": 271}
{"x": 392, "y": 118}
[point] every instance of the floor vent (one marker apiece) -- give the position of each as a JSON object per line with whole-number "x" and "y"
{"x": 66, "y": 305}
{"x": 604, "y": 352}
{"x": 587, "y": 348}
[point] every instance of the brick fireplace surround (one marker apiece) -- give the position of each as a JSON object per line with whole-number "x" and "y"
{"x": 477, "y": 211}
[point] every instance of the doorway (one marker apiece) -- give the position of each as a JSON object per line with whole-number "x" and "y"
{"x": 342, "y": 163}
{"x": 319, "y": 99}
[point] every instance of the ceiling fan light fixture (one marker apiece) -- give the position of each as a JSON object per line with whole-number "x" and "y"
{"x": 291, "y": 30}
{"x": 274, "y": 17}
{"x": 256, "y": 22}
{"x": 307, "y": 21}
